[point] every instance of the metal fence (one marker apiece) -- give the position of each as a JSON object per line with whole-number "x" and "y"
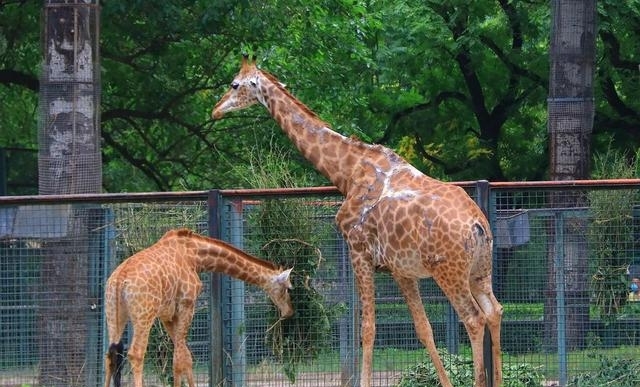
{"x": 565, "y": 253}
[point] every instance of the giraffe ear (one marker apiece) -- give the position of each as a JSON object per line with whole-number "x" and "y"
{"x": 283, "y": 278}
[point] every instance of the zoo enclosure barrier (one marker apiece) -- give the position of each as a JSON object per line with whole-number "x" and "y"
{"x": 564, "y": 255}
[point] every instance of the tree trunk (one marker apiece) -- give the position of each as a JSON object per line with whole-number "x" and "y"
{"x": 571, "y": 111}
{"x": 69, "y": 162}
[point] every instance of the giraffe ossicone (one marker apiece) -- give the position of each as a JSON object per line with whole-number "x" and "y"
{"x": 162, "y": 282}
{"x": 393, "y": 218}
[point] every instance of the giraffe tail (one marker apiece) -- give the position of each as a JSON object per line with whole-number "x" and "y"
{"x": 116, "y": 359}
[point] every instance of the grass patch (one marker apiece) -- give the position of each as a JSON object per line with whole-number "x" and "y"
{"x": 392, "y": 312}
{"x": 391, "y": 359}
{"x": 577, "y": 361}
{"x": 398, "y": 312}
{"x": 460, "y": 371}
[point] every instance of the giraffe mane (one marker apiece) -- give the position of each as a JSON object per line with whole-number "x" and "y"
{"x": 185, "y": 232}
{"x": 302, "y": 106}
{"x": 353, "y": 138}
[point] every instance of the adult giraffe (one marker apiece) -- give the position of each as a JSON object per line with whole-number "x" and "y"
{"x": 394, "y": 218}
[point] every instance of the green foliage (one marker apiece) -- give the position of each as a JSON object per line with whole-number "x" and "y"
{"x": 283, "y": 231}
{"x": 611, "y": 233}
{"x": 466, "y": 83}
{"x": 631, "y": 310}
{"x": 431, "y": 54}
{"x": 138, "y": 226}
{"x": 270, "y": 165}
{"x": 613, "y": 371}
{"x": 460, "y": 372}
{"x": 20, "y": 52}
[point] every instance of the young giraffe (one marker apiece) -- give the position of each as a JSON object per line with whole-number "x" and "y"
{"x": 162, "y": 281}
{"x": 393, "y": 218}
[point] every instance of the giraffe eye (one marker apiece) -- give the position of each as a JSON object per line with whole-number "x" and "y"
{"x": 235, "y": 85}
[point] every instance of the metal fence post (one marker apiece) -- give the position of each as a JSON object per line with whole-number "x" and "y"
{"x": 216, "y": 359}
{"x": 452, "y": 332}
{"x": 482, "y": 199}
{"x": 237, "y": 334}
{"x": 560, "y": 297}
{"x": 100, "y": 262}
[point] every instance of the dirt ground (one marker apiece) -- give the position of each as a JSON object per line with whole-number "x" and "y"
{"x": 261, "y": 378}
{"x": 315, "y": 379}
{"x": 264, "y": 378}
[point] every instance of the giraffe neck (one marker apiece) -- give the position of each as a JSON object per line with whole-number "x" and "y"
{"x": 331, "y": 153}
{"x": 213, "y": 255}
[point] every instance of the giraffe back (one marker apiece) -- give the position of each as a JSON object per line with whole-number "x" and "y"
{"x": 150, "y": 283}
{"x": 415, "y": 225}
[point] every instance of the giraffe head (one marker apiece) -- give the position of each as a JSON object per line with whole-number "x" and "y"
{"x": 278, "y": 291}
{"x": 244, "y": 91}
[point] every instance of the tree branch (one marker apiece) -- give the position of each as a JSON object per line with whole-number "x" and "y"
{"x": 434, "y": 103}
{"x": 140, "y": 163}
{"x": 8, "y": 77}
{"x": 612, "y": 52}
{"x": 614, "y": 100}
{"x": 447, "y": 168}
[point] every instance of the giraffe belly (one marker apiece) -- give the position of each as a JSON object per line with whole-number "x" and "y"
{"x": 410, "y": 265}
{"x": 408, "y": 239}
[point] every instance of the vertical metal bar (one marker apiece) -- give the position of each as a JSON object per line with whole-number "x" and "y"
{"x": 238, "y": 336}
{"x": 452, "y": 331}
{"x": 482, "y": 199}
{"x": 560, "y": 298}
{"x": 216, "y": 374}
{"x": 482, "y": 196}
{"x": 108, "y": 265}
{"x": 95, "y": 220}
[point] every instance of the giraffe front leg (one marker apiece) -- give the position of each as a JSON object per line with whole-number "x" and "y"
{"x": 182, "y": 365}
{"x": 364, "y": 271}
{"x": 349, "y": 223}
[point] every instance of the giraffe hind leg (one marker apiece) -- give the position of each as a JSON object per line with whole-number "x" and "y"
{"x": 411, "y": 292}
{"x": 481, "y": 288}
{"x": 493, "y": 312}
{"x": 458, "y": 291}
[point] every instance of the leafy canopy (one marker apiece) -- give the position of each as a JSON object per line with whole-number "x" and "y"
{"x": 459, "y": 89}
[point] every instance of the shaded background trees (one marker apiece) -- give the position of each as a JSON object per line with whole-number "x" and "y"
{"x": 460, "y": 90}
